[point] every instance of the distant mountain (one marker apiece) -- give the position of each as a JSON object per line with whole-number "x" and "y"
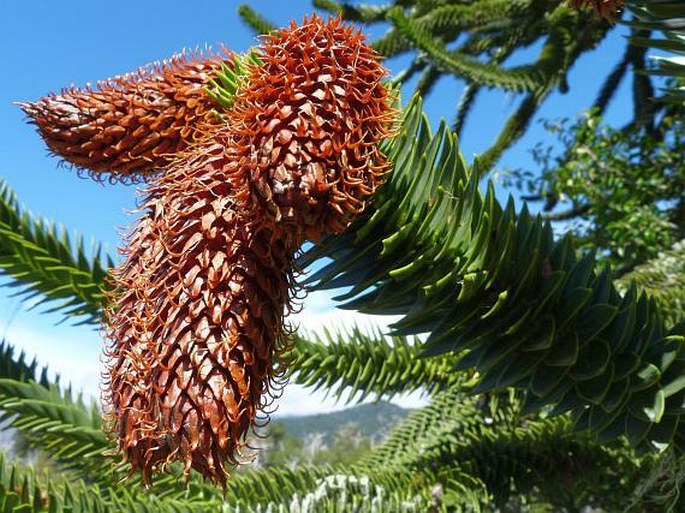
{"x": 375, "y": 421}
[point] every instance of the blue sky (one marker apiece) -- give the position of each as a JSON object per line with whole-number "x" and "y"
{"x": 49, "y": 46}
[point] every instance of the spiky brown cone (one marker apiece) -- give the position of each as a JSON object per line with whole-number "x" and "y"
{"x": 307, "y": 128}
{"x": 195, "y": 330}
{"x": 207, "y": 274}
{"x": 133, "y": 125}
{"x": 607, "y": 9}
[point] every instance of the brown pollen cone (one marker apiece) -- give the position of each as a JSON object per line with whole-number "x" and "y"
{"x": 307, "y": 127}
{"x": 196, "y": 323}
{"x": 133, "y": 125}
{"x": 194, "y": 329}
{"x": 607, "y": 9}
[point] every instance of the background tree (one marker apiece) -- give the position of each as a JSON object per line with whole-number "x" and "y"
{"x": 622, "y": 190}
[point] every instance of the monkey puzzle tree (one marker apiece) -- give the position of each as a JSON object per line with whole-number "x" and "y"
{"x": 516, "y": 322}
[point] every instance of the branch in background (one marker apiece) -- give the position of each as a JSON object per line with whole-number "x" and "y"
{"x": 663, "y": 278}
{"x": 254, "y": 20}
{"x": 408, "y": 73}
{"x": 513, "y": 129}
{"x": 524, "y": 78}
{"x": 613, "y": 81}
{"x": 567, "y": 214}
{"x": 360, "y": 14}
{"x": 427, "y": 81}
{"x": 643, "y": 91}
{"x": 562, "y": 49}
{"x": 468, "y": 97}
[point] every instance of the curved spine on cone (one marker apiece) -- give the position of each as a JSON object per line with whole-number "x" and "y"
{"x": 131, "y": 126}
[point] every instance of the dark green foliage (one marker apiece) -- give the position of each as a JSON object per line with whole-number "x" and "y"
{"x": 499, "y": 293}
{"x": 41, "y": 260}
{"x": 489, "y": 445}
{"x": 667, "y": 17}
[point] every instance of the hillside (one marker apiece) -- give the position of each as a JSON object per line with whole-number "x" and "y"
{"x": 375, "y": 421}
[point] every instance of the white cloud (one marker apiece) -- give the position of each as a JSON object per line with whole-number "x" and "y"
{"x": 298, "y": 400}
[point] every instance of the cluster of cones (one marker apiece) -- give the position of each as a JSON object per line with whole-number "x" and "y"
{"x": 197, "y": 314}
